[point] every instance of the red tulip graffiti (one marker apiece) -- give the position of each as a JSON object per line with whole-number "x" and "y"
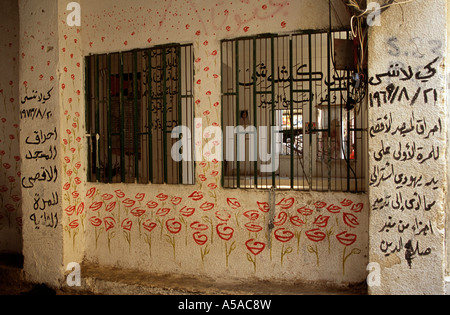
{"x": 284, "y": 236}
{"x": 174, "y": 227}
{"x": 96, "y": 222}
{"x": 347, "y": 239}
{"x": 316, "y": 236}
{"x": 315, "y": 222}
{"x": 149, "y": 226}
{"x": 126, "y": 225}
{"x": 225, "y": 233}
{"x": 110, "y": 224}
{"x": 255, "y": 248}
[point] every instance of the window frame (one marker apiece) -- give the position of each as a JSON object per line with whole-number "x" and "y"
{"x": 351, "y": 131}
{"x": 142, "y": 102}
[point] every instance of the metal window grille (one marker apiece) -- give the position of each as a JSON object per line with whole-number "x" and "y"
{"x": 291, "y": 82}
{"x": 134, "y": 100}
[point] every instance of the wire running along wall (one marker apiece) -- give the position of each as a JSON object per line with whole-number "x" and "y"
{"x": 134, "y": 101}
{"x": 290, "y": 81}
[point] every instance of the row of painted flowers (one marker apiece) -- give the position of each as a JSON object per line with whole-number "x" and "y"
{"x": 109, "y": 214}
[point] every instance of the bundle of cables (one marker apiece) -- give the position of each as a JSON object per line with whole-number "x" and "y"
{"x": 359, "y": 28}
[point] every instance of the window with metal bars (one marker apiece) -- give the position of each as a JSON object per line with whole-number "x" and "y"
{"x": 134, "y": 100}
{"x": 291, "y": 82}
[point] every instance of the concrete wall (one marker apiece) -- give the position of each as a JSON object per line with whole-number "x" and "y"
{"x": 204, "y": 229}
{"x": 118, "y": 224}
{"x": 408, "y": 139}
{"x": 40, "y": 141}
{"x": 10, "y": 188}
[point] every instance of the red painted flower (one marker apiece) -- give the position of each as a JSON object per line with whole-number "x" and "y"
{"x": 286, "y": 203}
{"x": 297, "y": 221}
{"x": 321, "y": 221}
{"x": 110, "y": 223}
{"x": 80, "y": 208}
{"x": 334, "y": 209}
{"x": 280, "y": 219}
{"x": 283, "y": 235}
{"x": 255, "y": 247}
{"x": 152, "y": 205}
{"x": 96, "y": 206}
{"x": 162, "y": 212}
{"x": 346, "y": 239}
{"x": 149, "y": 225}
{"x": 305, "y": 211}
{"x": 187, "y": 212}
{"x": 110, "y": 207}
{"x": 315, "y": 235}
{"x": 358, "y": 207}
{"x": 139, "y": 196}
{"x": 95, "y": 221}
{"x": 176, "y": 200}
{"x": 196, "y": 196}
{"x": 263, "y": 206}
{"x": 74, "y": 224}
{"x": 128, "y": 202}
{"x": 119, "y": 193}
{"x": 223, "y": 215}
{"x": 252, "y": 215}
{"x": 173, "y": 226}
{"x": 346, "y": 203}
{"x": 198, "y": 226}
{"x": 91, "y": 192}
{"x": 127, "y": 224}
{"x": 224, "y": 231}
{"x": 137, "y": 212}
{"x": 253, "y": 227}
{"x": 200, "y": 238}
{"x": 162, "y": 197}
{"x": 233, "y": 203}
{"x": 320, "y": 204}
{"x": 70, "y": 210}
{"x": 350, "y": 220}
{"x": 207, "y": 206}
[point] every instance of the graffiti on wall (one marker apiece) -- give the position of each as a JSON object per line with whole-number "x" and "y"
{"x": 41, "y": 145}
{"x": 405, "y": 144}
{"x": 10, "y": 160}
{"x": 199, "y": 221}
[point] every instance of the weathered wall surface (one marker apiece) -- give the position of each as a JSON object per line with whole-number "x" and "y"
{"x": 10, "y": 189}
{"x": 40, "y": 139}
{"x": 201, "y": 229}
{"x": 407, "y": 119}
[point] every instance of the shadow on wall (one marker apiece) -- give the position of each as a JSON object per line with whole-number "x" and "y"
{"x": 10, "y": 189}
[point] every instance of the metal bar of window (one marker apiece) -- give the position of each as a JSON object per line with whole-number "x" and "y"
{"x": 150, "y": 116}
{"x": 179, "y": 115}
{"x": 164, "y": 65}
{"x": 291, "y": 109}
{"x": 108, "y": 91}
{"x": 255, "y": 113}
{"x": 238, "y": 164}
{"x": 97, "y": 117}
{"x": 273, "y": 141}
{"x": 122, "y": 120}
{"x": 136, "y": 117}
{"x": 222, "y": 180}
{"x": 88, "y": 114}
{"x": 311, "y": 99}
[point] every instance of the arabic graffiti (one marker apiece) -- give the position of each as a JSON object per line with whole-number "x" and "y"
{"x": 42, "y": 154}
{"x": 404, "y": 144}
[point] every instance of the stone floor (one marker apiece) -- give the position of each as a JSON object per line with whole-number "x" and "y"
{"x": 111, "y": 281}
